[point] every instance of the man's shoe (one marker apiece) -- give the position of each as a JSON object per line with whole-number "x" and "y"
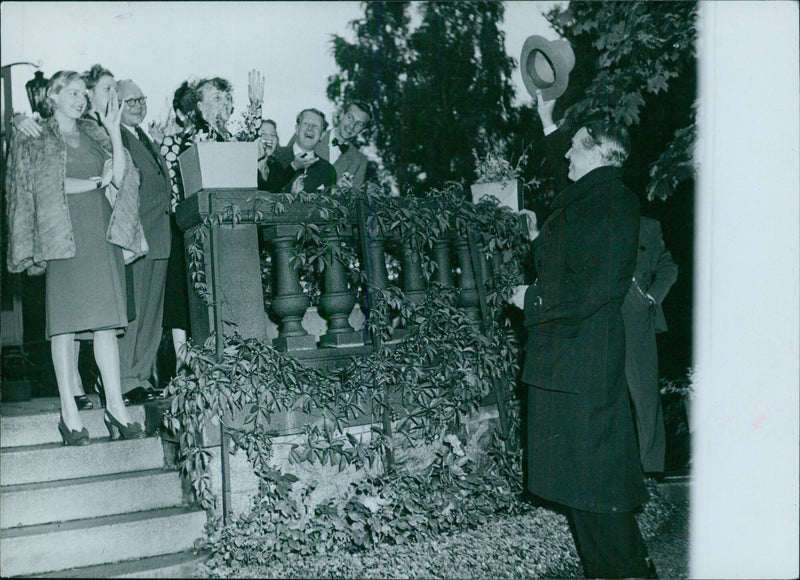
{"x": 83, "y": 403}
{"x": 138, "y": 396}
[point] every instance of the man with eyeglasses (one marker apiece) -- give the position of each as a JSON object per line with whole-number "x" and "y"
{"x": 138, "y": 347}
{"x": 338, "y": 145}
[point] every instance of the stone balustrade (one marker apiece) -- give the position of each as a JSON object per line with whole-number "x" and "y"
{"x": 232, "y": 268}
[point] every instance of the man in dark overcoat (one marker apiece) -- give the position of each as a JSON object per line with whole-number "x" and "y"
{"x": 654, "y": 275}
{"x": 582, "y": 450}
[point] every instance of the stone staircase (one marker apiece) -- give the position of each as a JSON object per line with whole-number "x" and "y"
{"x": 109, "y": 509}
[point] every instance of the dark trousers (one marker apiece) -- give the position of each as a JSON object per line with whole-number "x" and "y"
{"x": 610, "y": 545}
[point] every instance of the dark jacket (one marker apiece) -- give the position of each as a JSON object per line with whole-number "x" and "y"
{"x": 39, "y": 224}
{"x": 154, "y": 194}
{"x": 655, "y": 274}
{"x": 278, "y": 176}
{"x": 318, "y": 176}
{"x": 582, "y": 447}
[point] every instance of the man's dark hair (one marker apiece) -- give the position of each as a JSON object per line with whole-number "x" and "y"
{"x": 270, "y": 122}
{"x": 185, "y": 101}
{"x": 363, "y": 106}
{"x": 315, "y": 111}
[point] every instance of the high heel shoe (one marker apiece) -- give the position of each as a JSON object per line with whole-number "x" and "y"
{"x": 84, "y": 403}
{"x": 71, "y": 436}
{"x": 117, "y": 429}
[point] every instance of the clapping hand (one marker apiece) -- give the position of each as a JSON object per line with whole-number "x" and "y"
{"x": 299, "y": 183}
{"x": 304, "y": 160}
{"x": 263, "y": 168}
{"x": 113, "y": 114}
{"x": 157, "y": 132}
{"x": 346, "y": 180}
{"x": 255, "y": 87}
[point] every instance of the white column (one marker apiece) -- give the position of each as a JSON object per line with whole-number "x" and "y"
{"x": 744, "y": 502}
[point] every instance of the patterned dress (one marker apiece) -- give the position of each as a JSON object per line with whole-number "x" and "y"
{"x": 176, "y": 297}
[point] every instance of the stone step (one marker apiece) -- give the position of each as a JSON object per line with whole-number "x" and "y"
{"x": 39, "y": 424}
{"x": 80, "y": 543}
{"x": 87, "y": 497}
{"x": 181, "y": 565}
{"x": 53, "y": 461}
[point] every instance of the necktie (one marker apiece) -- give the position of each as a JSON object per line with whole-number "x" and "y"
{"x": 343, "y": 147}
{"x": 146, "y": 142}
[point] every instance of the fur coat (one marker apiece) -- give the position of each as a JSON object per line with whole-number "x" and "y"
{"x": 39, "y": 223}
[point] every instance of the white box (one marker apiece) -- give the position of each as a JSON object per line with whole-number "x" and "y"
{"x": 212, "y": 165}
{"x": 507, "y": 192}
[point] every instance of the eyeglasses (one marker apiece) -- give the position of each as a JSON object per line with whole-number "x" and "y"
{"x": 137, "y": 101}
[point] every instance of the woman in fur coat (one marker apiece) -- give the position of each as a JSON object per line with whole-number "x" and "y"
{"x": 73, "y": 210}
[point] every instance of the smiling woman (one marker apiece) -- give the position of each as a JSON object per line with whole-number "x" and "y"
{"x": 61, "y": 221}
{"x": 102, "y": 87}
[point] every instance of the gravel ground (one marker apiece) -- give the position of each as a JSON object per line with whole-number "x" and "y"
{"x": 536, "y": 544}
{"x": 669, "y": 549}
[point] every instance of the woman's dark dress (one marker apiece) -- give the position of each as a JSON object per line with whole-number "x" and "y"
{"x": 176, "y": 295}
{"x": 87, "y": 292}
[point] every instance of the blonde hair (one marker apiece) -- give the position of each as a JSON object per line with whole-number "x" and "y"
{"x": 54, "y": 86}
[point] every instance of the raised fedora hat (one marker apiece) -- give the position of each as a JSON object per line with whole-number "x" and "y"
{"x": 545, "y": 66}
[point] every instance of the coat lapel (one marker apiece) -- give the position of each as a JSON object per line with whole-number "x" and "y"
{"x": 139, "y": 150}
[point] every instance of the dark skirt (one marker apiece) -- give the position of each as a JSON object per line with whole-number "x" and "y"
{"x": 87, "y": 292}
{"x": 176, "y": 295}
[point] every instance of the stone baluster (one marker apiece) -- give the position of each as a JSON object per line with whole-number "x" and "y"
{"x": 375, "y": 265}
{"x": 412, "y": 276}
{"x": 336, "y": 302}
{"x": 289, "y": 303}
{"x": 377, "y": 276}
{"x": 468, "y": 298}
{"x": 441, "y": 255}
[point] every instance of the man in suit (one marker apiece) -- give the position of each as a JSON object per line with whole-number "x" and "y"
{"x": 338, "y": 145}
{"x": 302, "y": 169}
{"x": 139, "y": 345}
{"x": 655, "y": 274}
{"x": 581, "y": 445}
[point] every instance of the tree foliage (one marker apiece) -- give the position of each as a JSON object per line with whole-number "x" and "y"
{"x": 633, "y": 60}
{"x": 436, "y": 89}
{"x": 374, "y": 68}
